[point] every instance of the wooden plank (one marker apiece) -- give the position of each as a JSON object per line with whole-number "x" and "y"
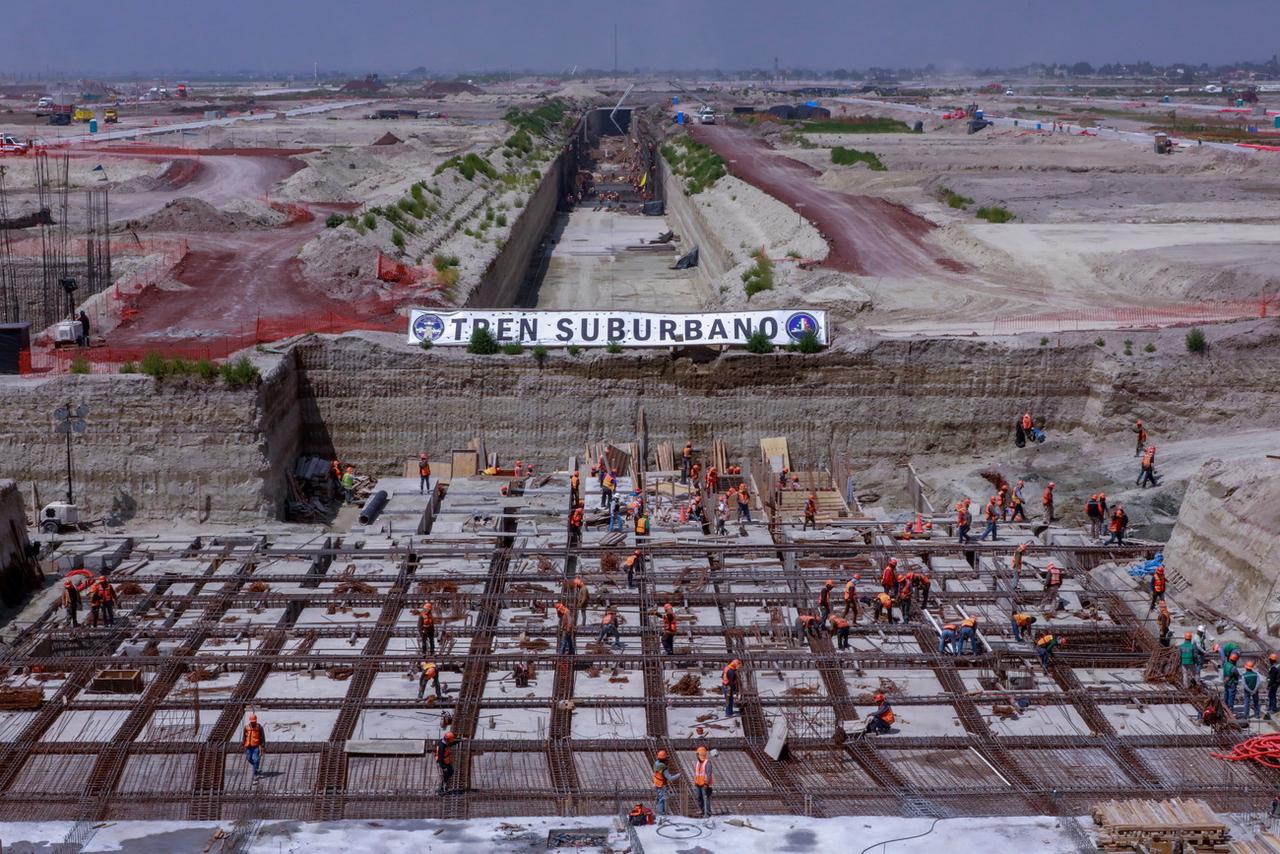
{"x": 463, "y": 462}
{"x": 775, "y": 451}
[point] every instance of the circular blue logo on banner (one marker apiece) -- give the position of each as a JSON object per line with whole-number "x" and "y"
{"x": 428, "y": 326}
{"x": 800, "y": 324}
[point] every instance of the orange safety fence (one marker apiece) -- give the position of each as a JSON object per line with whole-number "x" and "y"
{"x": 1136, "y": 317}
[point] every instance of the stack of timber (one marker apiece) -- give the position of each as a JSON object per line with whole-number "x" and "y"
{"x": 1160, "y": 826}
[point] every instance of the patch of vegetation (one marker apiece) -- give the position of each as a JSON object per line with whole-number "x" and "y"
{"x": 760, "y": 276}
{"x": 1150, "y": 348}
{"x": 518, "y": 144}
{"x": 759, "y": 343}
{"x": 468, "y": 166}
{"x": 995, "y": 213}
{"x": 955, "y": 200}
{"x": 80, "y": 365}
{"x": 1196, "y": 342}
{"x": 849, "y": 156}
{"x": 807, "y": 343}
{"x": 1101, "y": 342}
{"x": 1128, "y": 347}
{"x": 1044, "y": 342}
{"x": 482, "y": 342}
{"x": 334, "y": 220}
{"x": 614, "y": 347}
{"x": 697, "y": 164}
{"x": 397, "y": 237}
{"x": 128, "y": 368}
{"x": 539, "y": 352}
{"x": 541, "y": 121}
{"x": 573, "y": 349}
{"x": 239, "y": 373}
{"x": 443, "y": 262}
{"x": 500, "y": 220}
{"x": 370, "y": 220}
{"x": 425, "y": 343}
{"x": 513, "y": 349}
{"x": 857, "y": 124}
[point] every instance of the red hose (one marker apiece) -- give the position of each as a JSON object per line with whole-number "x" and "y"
{"x": 1263, "y": 749}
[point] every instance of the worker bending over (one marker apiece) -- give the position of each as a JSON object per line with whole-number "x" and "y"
{"x": 1046, "y": 646}
{"x": 881, "y": 720}
{"x": 1021, "y": 622}
{"x": 430, "y": 675}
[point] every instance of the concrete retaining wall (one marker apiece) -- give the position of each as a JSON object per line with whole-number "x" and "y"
{"x": 686, "y": 219}
{"x": 18, "y": 575}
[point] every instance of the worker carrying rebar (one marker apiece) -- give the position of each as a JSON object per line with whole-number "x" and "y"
{"x": 840, "y": 626}
{"x": 444, "y": 760}
{"x": 881, "y": 720}
{"x": 108, "y": 599}
{"x": 253, "y": 742}
{"x": 811, "y": 512}
{"x": 71, "y": 602}
{"x": 703, "y": 780}
{"x": 427, "y": 628}
{"x": 883, "y": 604}
{"x": 566, "y": 629}
{"x": 969, "y": 632}
{"x": 581, "y": 601}
{"x": 424, "y": 473}
{"x": 686, "y": 462}
{"x": 1158, "y": 585}
{"x": 824, "y": 599}
{"x": 1046, "y": 645}
{"x": 661, "y": 776}
{"x": 1021, "y": 622}
{"x": 429, "y": 673}
{"x": 1191, "y": 657}
{"x": 729, "y": 681}
{"x": 851, "y": 597}
{"x": 669, "y": 627}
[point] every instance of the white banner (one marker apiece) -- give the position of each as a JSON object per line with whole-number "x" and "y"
{"x": 628, "y": 328}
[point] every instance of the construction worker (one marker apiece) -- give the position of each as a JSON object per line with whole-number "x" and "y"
{"x": 1162, "y": 625}
{"x": 969, "y": 632}
{"x": 566, "y": 629}
{"x": 609, "y": 627}
{"x": 686, "y": 462}
{"x": 348, "y": 484}
{"x": 1046, "y": 500}
{"x": 1158, "y": 585}
{"x": 1017, "y": 504}
{"x": 729, "y": 681}
{"x": 1119, "y": 523}
{"x": 881, "y": 720}
{"x": 575, "y": 489}
{"x": 424, "y": 473}
{"x": 1252, "y": 690}
{"x": 695, "y": 475}
{"x": 713, "y": 479}
{"x": 824, "y": 599}
{"x": 922, "y": 583}
{"x": 1273, "y": 682}
{"x": 883, "y": 604}
{"x": 1002, "y": 501}
{"x": 811, "y": 512}
{"x": 1190, "y": 656}
{"x": 1231, "y": 680}
{"x": 947, "y": 640}
{"x": 1021, "y": 622}
{"x": 992, "y": 514}
{"x": 429, "y": 673}
{"x": 1142, "y": 436}
{"x": 669, "y": 627}
{"x": 576, "y": 518}
{"x": 95, "y": 606}
{"x": 427, "y": 628}
{"x": 808, "y": 625}
{"x": 632, "y": 563}
{"x": 744, "y": 504}
{"x": 904, "y": 599}
{"x": 889, "y": 577}
{"x": 661, "y": 776}
{"x": 444, "y": 760}
{"x": 608, "y": 487}
{"x": 1052, "y": 583}
{"x": 1093, "y": 511}
{"x": 1046, "y": 646}
{"x": 1201, "y": 640}
{"x": 851, "y": 597}
{"x": 963, "y": 520}
{"x": 722, "y": 517}
{"x": 703, "y": 781}
{"x": 600, "y": 470}
{"x": 253, "y": 741}
{"x": 642, "y": 526}
{"x": 108, "y": 599}
{"x": 1147, "y": 472}
{"x": 71, "y": 602}
{"x": 1027, "y": 423}
{"x": 1015, "y": 562}
{"x": 840, "y": 626}
{"x": 581, "y": 599}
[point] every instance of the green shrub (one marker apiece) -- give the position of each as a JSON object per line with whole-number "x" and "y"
{"x": 153, "y": 365}
{"x": 613, "y": 347}
{"x": 1196, "y": 342}
{"x": 759, "y": 277}
{"x": 206, "y": 370}
{"x": 239, "y": 373}
{"x": 759, "y": 343}
{"x": 697, "y": 164}
{"x": 849, "y": 156}
{"x": 995, "y": 213}
{"x": 482, "y": 342}
{"x": 807, "y": 343}
{"x": 501, "y": 220}
{"x": 80, "y": 365}
{"x": 513, "y": 349}
{"x": 370, "y": 220}
{"x": 1044, "y": 342}
{"x": 397, "y": 237}
{"x": 1100, "y": 341}
{"x": 1150, "y": 348}
{"x": 128, "y": 368}
{"x": 539, "y": 354}
{"x": 856, "y": 124}
{"x": 573, "y": 349}
{"x": 955, "y": 200}
{"x": 334, "y": 220}
{"x": 425, "y": 343}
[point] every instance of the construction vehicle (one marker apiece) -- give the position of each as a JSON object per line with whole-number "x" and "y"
{"x": 59, "y": 118}
{"x": 110, "y": 116}
{"x": 1163, "y": 144}
{"x": 58, "y": 516}
{"x": 82, "y": 114}
{"x": 706, "y": 116}
{"x": 11, "y": 145}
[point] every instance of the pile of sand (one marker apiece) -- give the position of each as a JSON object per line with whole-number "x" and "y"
{"x": 192, "y": 214}
{"x": 580, "y": 91}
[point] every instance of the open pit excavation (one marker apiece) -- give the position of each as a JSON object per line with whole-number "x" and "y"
{"x": 792, "y": 458}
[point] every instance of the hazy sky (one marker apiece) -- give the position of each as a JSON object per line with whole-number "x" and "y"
{"x": 120, "y": 36}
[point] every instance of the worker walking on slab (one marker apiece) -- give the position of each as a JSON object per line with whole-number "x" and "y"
{"x": 427, "y": 628}
{"x": 95, "y": 606}
{"x": 1046, "y": 501}
{"x": 1158, "y": 585}
{"x": 108, "y": 599}
{"x": 1093, "y": 512}
{"x": 71, "y": 602}
{"x": 840, "y": 626}
{"x": 1118, "y": 525}
{"x": 963, "y": 520}
{"x": 1142, "y": 437}
{"x": 729, "y": 681}
{"x": 1191, "y": 657}
{"x": 824, "y": 599}
{"x": 669, "y": 627}
{"x": 703, "y": 781}
{"x": 566, "y": 629}
{"x": 811, "y": 512}
{"x": 1046, "y": 646}
{"x": 744, "y": 504}
{"x": 1163, "y": 621}
{"x": 686, "y": 462}
{"x": 1252, "y": 691}
{"x": 881, "y": 720}
{"x": 1017, "y": 504}
{"x": 851, "y": 597}
{"x": 575, "y": 489}
{"x": 1021, "y": 622}
{"x": 424, "y": 473}
{"x": 661, "y": 776}
{"x": 581, "y": 601}
{"x": 992, "y": 514}
{"x": 253, "y": 742}
{"x": 429, "y": 673}
{"x": 969, "y": 632}
{"x": 1052, "y": 584}
{"x": 1147, "y": 472}
{"x": 444, "y": 760}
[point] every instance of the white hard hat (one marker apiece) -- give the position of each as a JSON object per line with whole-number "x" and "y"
{"x": 1200, "y": 629}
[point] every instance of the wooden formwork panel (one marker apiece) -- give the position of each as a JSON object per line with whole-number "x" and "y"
{"x": 54, "y": 774}
{"x": 1076, "y": 768}
{"x": 157, "y": 772}
{"x": 281, "y": 773}
{"x": 519, "y": 770}
{"x": 940, "y": 769}
{"x": 603, "y": 770}
{"x": 371, "y": 774}
{"x": 821, "y": 770}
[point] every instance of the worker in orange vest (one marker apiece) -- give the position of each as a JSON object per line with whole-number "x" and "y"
{"x": 881, "y": 720}
{"x": 1163, "y": 622}
{"x": 1047, "y": 501}
{"x": 608, "y": 487}
{"x": 576, "y": 519}
{"x": 575, "y": 489}
{"x": 1021, "y": 622}
{"x": 1158, "y": 585}
{"x": 566, "y": 629}
{"x": 947, "y": 639}
{"x": 427, "y": 628}
{"x": 1147, "y": 474}
{"x": 95, "y": 606}
{"x": 632, "y": 564}
{"x": 581, "y": 600}
{"x": 703, "y": 781}
{"x": 729, "y": 681}
{"x": 1027, "y": 423}
{"x": 71, "y": 602}
{"x": 889, "y": 577}
{"x": 840, "y": 626}
{"x": 922, "y": 583}
{"x": 992, "y": 514}
{"x": 253, "y": 741}
{"x": 444, "y": 760}
{"x": 811, "y": 512}
{"x": 851, "y": 597}
{"x": 1119, "y": 523}
{"x": 609, "y": 627}
{"x": 1016, "y": 504}
{"x": 713, "y": 479}
{"x": 686, "y": 462}
{"x": 642, "y": 525}
{"x": 883, "y": 605}
{"x": 963, "y": 520}
{"x": 108, "y": 599}
{"x": 904, "y": 597}
{"x": 969, "y": 632}
{"x": 824, "y": 598}
{"x": 695, "y": 474}
{"x": 744, "y": 504}
{"x": 424, "y": 473}
{"x": 429, "y": 674}
{"x": 1142, "y": 437}
{"x": 1052, "y": 576}
{"x": 669, "y": 626}
{"x": 661, "y": 776}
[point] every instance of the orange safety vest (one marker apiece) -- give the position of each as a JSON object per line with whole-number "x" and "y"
{"x": 1045, "y": 641}
{"x": 642, "y": 525}
{"x": 887, "y": 715}
{"x": 576, "y": 519}
{"x": 888, "y": 578}
{"x": 1047, "y": 498}
{"x": 1115, "y": 522}
{"x": 1148, "y": 459}
{"x": 253, "y": 735}
{"x": 610, "y": 483}
{"x": 962, "y": 516}
{"x": 430, "y": 673}
{"x": 725, "y": 678}
{"x": 840, "y": 622}
{"x": 949, "y": 627}
{"x": 886, "y": 601}
{"x": 688, "y": 451}
{"x": 810, "y": 509}
{"x": 1158, "y": 582}
{"x": 424, "y": 468}
{"x": 1055, "y": 576}
{"x": 992, "y": 515}
{"x": 850, "y": 591}
{"x": 108, "y": 592}
{"x": 702, "y": 773}
{"x": 742, "y": 494}
{"x": 1026, "y": 422}
{"x": 659, "y": 777}
{"x": 427, "y": 620}
{"x": 668, "y": 623}
{"x": 1022, "y": 620}
{"x": 968, "y": 623}
{"x": 606, "y": 619}
{"x": 574, "y": 480}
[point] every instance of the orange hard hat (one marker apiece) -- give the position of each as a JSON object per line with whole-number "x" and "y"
{"x": 737, "y": 662}
{"x": 102, "y": 578}
{"x": 879, "y": 698}
{"x": 1248, "y": 665}
{"x": 578, "y": 582}
{"x": 857, "y": 576}
{"x": 1233, "y": 656}
{"x": 893, "y": 561}
{"x": 1160, "y": 569}
{"x": 422, "y": 456}
{"x": 1271, "y": 657}
{"x": 1052, "y": 484}
{"x": 66, "y": 583}
{"x": 1187, "y": 636}
{"x": 662, "y": 754}
{"x": 668, "y": 607}
{"x": 450, "y": 736}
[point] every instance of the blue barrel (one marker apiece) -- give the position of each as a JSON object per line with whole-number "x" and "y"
{"x": 680, "y": 117}
{"x": 1239, "y": 102}
{"x": 675, "y": 99}
{"x": 93, "y": 125}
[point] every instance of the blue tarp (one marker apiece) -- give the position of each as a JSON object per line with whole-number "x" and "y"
{"x": 1148, "y": 568}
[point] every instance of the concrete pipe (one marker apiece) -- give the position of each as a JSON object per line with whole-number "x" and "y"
{"x": 373, "y": 507}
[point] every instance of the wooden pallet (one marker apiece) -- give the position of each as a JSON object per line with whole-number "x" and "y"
{"x": 1158, "y": 826}
{"x": 1263, "y": 843}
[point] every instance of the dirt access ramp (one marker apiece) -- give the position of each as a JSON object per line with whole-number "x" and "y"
{"x": 868, "y": 236}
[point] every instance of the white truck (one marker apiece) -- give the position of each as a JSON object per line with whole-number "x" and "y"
{"x": 10, "y": 144}
{"x": 706, "y": 116}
